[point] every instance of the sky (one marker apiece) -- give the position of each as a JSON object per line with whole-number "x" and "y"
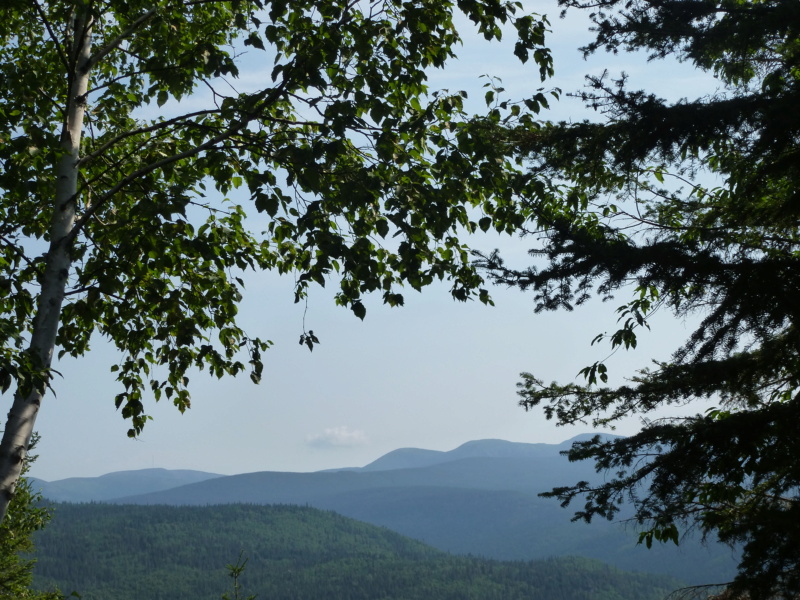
{"x": 433, "y": 374}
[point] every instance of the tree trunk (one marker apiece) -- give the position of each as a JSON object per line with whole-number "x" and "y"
{"x": 22, "y": 416}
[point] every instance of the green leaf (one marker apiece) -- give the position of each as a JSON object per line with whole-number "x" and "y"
{"x": 254, "y": 39}
{"x": 359, "y": 310}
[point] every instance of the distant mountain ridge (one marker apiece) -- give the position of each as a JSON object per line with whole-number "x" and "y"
{"x": 408, "y": 458}
{"x": 121, "y": 484}
{"x": 118, "y": 484}
{"x": 480, "y": 498}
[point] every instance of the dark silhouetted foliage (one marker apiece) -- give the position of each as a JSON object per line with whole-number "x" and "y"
{"x": 695, "y": 205}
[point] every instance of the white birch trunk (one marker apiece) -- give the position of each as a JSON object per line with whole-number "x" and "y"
{"x": 25, "y": 407}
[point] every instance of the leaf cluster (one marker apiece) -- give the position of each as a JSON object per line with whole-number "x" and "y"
{"x": 336, "y": 164}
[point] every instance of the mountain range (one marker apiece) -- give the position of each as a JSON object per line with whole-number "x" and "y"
{"x": 480, "y": 498}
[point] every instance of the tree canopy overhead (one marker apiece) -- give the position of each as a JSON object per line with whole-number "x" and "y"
{"x": 633, "y": 208}
{"x": 125, "y": 132}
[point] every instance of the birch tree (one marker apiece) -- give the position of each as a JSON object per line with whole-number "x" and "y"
{"x": 133, "y": 152}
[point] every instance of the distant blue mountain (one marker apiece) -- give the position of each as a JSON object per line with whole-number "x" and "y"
{"x": 412, "y": 458}
{"x": 117, "y": 484}
{"x": 120, "y": 484}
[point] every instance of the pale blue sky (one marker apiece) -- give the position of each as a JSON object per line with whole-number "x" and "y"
{"x": 433, "y": 374}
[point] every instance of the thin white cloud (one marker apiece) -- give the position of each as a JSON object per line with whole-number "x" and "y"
{"x": 338, "y": 437}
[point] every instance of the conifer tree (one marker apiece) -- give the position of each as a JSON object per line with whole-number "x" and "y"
{"x": 632, "y": 209}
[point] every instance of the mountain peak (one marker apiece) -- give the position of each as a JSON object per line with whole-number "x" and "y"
{"x": 410, "y": 458}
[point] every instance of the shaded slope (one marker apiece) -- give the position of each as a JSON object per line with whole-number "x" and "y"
{"x": 517, "y": 526}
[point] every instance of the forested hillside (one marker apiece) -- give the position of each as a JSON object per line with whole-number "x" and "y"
{"x": 485, "y": 506}
{"x": 179, "y": 553}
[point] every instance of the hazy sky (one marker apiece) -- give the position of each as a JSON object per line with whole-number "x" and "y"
{"x": 433, "y": 374}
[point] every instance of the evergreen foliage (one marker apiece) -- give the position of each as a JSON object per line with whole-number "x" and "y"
{"x": 178, "y": 553}
{"x": 633, "y": 207}
{"x": 25, "y": 517}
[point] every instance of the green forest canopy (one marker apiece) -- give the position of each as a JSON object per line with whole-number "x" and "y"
{"x": 179, "y": 553}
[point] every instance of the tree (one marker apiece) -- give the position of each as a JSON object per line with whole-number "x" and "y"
{"x": 235, "y": 573}
{"x": 694, "y": 206}
{"x": 24, "y": 518}
{"x": 124, "y": 134}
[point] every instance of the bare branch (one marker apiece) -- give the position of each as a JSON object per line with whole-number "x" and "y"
{"x": 61, "y": 53}
{"x": 16, "y": 249}
{"x": 128, "y": 75}
{"x": 156, "y": 127}
{"x": 113, "y": 44}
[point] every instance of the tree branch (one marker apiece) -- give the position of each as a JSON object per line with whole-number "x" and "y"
{"x": 61, "y": 54}
{"x": 128, "y": 75}
{"x": 227, "y": 134}
{"x": 16, "y": 249}
{"x": 113, "y": 44}
{"x": 163, "y": 124}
